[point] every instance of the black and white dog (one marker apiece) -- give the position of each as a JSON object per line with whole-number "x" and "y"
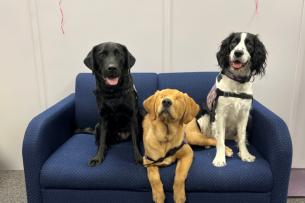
{"x": 225, "y": 112}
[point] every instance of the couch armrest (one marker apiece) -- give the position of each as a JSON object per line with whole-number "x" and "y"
{"x": 45, "y": 134}
{"x": 270, "y": 136}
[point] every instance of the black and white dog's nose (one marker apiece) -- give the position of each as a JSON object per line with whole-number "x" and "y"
{"x": 112, "y": 68}
{"x": 167, "y": 102}
{"x": 238, "y": 53}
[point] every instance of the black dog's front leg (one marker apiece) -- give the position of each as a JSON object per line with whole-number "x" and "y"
{"x": 135, "y": 141}
{"x": 101, "y": 131}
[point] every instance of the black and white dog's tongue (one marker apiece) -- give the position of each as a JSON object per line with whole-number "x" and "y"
{"x": 237, "y": 64}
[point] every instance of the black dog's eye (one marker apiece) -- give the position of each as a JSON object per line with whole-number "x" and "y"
{"x": 120, "y": 55}
{"x": 249, "y": 45}
{"x": 102, "y": 55}
{"x": 233, "y": 43}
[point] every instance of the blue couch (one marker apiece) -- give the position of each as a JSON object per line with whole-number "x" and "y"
{"x": 55, "y": 162}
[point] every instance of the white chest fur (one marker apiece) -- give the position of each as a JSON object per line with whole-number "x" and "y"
{"x": 231, "y": 110}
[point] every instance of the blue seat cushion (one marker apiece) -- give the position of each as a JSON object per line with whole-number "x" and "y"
{"x": 67, "y": 168}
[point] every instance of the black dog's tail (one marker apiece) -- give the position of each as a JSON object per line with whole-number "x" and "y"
{"x": 84, "y": 131}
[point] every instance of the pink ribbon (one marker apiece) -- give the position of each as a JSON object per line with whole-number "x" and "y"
{"x": 62, "y": 17}
{"x": 256, "y": 7}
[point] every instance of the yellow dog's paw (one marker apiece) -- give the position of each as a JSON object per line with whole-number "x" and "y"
{"x": 159, "y": 197}
{"x": 179, "y": 197}
{"x": 229, "y": 152}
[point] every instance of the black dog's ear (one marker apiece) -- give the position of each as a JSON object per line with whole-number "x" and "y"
{"x": 258, "y": 58}
{"x": 89, "y": 61}
{"x": 130, "y": 59}
{"x": 124, "y": 109}
{"x": 224, "y": 52}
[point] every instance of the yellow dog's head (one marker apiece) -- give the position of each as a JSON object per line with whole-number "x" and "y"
{"x": 171, "y": 105}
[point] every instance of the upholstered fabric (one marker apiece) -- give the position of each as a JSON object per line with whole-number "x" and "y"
{"x": 116, "y": 196}
{"x": 86, "y": 112}
{"x": 55, "y": 163}
{"x": 44, "y": 135}
{"x": 67, "y": 169}
{"x": 270, "y": 136}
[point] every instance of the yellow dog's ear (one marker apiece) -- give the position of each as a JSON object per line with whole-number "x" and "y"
{"x": 191, "y": 109}
{"x": 149, "y": 105}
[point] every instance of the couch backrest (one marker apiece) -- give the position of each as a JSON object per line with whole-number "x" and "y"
{"x": 86, "y": 112}
{"x": 196, "y": 84}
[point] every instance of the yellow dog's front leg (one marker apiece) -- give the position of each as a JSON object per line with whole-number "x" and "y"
{"x": 156, "y": 184}
{"x": 183, "y": 165}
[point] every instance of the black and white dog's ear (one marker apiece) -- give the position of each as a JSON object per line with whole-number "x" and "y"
{"x": 258, "y": 58}
{"x": 90, "y": 62}
{"x": 130, "y": 60}
{"x": 224, "y": 52}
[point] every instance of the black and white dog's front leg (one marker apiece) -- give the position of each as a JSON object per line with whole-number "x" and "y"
{"x": 219, "y": 130}
{"x": 242, "y": 139}
{"x": 102, "y": 132}
{"x": 135, "y": 141}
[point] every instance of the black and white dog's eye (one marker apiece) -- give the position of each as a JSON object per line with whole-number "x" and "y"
{"x": 120, "y": 55}
{"x": 102, "y": 55}
{"x": 249, "y": 45}
{"x": 233, "y": 43}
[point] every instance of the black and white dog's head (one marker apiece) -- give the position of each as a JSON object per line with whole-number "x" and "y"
{"x": 110, "y": 62}
{"x": 242, "y": 54}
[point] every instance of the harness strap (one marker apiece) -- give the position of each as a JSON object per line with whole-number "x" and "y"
{"x": 236, "y": 78}
{"x": 226, "y": 94}
{"x": 131, "y": 89}
{"x": 168, "y": 154}
{"x": 230, "y": 94}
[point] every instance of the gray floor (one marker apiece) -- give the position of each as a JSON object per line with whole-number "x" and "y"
{"x": 12, "y": 188}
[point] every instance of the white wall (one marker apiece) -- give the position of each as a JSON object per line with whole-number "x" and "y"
{"x": 19, "y": 101}
{"x": 163, "y": 35}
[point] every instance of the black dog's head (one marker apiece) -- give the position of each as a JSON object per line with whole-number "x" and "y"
{"x": 110, "y": 62}
{"x": 240, "y": 51}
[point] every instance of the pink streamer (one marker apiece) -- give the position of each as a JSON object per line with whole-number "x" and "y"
{"x": 256, "y": 8}
{"x": 62, "y": 17}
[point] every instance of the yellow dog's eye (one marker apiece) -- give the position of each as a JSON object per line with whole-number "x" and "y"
{"x": 177, "y": 98}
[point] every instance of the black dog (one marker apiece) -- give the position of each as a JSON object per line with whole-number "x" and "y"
{"x": 120, "y": 118}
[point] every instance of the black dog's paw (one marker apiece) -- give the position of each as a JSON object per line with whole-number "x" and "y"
{"x": 96, "y": 161}
{"x": 139, "y": 162}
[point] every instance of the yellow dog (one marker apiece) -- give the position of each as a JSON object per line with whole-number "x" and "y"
{"x": 169, "y": 122}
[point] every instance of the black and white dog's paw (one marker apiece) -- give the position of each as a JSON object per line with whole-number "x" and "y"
{"x": 219, "y": 162}
{"x": 96, "y": 161}
{"x": 246, "y": 157}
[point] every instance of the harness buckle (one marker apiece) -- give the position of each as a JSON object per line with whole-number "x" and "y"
{"x": 242, "y": 95}
{"x": 171, "y": 152}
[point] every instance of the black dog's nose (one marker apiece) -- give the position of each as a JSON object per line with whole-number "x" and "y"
{"x": 167, "y": 102}
{"x": 112, "y": 68}
{"x": 238, "y": 53}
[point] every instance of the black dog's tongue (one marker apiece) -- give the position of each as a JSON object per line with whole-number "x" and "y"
{"x": 112, "y": 81}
